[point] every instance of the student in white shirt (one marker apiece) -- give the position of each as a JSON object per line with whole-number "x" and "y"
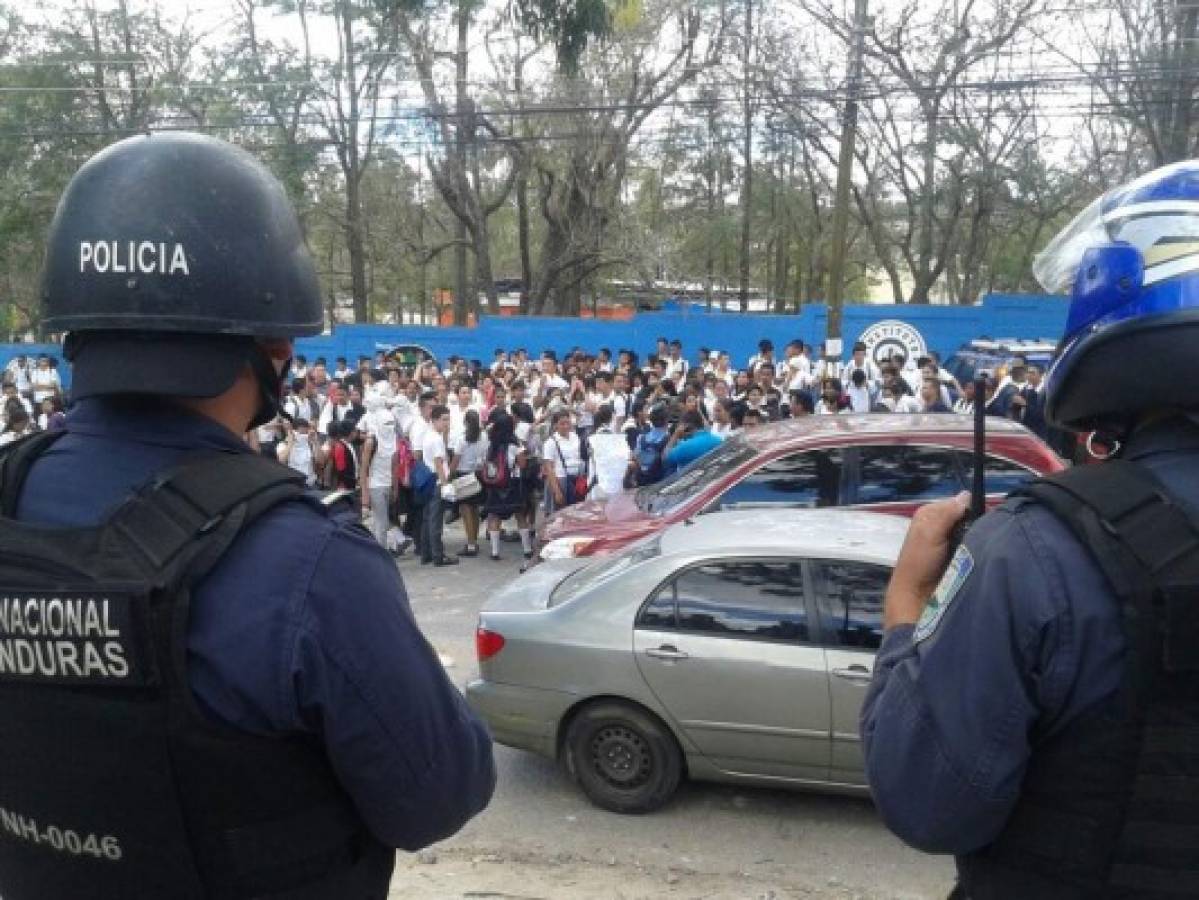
{"x": 609, "y": 457}
{"x": 434, "y": 455}
{"x": 18, "y": 372}
{"x": 562, "y": 461}
{"x": 861, "y": 396}
{"x": 378, "y": 450}
{"x": 467, "y": 453}
{"x": 337, "y": 406}
{"x": 858, "y": 361}
{"x": 16, "y": 426}
{"x": 299, "y": 449}
{"x": 44, "y": 381}
{"x": 420, "y": 424}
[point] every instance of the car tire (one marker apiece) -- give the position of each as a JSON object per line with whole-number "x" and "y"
{"x": 624, "y": 759}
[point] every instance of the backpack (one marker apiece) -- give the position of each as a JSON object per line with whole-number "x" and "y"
{"x": 331, "y": 478}
{"x": 494, "y": 473}
{"x": 402, "y": 462}
{"x": 650, "y": 466}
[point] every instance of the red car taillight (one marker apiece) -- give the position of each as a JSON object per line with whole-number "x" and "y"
{"x": 487, "y": 643}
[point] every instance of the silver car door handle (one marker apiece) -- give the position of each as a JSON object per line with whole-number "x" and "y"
{"x": 855, "y": 673}
{"x": 666, "y": 652}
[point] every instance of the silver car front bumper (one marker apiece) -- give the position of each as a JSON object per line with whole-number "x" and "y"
{"x": 522, "y": 717}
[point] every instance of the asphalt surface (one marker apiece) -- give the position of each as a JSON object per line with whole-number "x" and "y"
{"x": 541, "y": 838}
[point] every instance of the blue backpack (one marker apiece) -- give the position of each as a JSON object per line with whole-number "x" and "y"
{"x": 650, "y": 466}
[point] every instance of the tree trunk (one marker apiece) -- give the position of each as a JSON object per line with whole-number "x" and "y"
{"x": 461, "y": 129}
{"x": 522, "y": 234}
{"x": 747, "y": 152}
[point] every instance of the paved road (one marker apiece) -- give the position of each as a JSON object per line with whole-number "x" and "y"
{"x": 541, "y": 838}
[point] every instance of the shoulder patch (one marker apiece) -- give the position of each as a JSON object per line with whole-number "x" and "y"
{"x": 960, "y": 567}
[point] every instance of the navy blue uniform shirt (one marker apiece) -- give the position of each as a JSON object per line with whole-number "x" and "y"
{"x": 1029, "y": 640}
{"x": 302, "y": 627}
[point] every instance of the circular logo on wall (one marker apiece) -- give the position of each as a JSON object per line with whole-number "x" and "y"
{"x": 892, "y": 338}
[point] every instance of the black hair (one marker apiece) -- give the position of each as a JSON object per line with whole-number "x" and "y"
{"x": 603, "y": 415}
{"x": 438, "y": 411}
{"x": 473, "y": 428}
{"x": 804, "y": 399}
{"x": 692, "y": 419}
{"x": 658, "y": 416}
{"x": 523, "y": 412}
{"x": 858, "y": 377}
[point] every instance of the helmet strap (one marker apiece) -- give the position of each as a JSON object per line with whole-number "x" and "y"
{"x": 270, "y": 384}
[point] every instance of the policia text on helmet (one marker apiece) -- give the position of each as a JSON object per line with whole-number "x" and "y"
{"x": 175, "y": 261}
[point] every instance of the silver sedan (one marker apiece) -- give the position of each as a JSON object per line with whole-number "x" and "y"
{"x": 733, "y": 648}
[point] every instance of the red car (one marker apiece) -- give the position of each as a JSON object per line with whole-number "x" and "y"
{"x": 890, "y": 463}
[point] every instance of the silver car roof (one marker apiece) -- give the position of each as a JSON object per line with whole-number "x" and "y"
{"x": 842, "y": 533}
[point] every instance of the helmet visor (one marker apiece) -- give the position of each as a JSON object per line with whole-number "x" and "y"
{"x": 1056, "y": 265}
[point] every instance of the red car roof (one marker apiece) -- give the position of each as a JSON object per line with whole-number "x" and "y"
{"x": 774, "y": 434}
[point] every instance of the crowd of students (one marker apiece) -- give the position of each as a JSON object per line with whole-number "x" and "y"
{"x": 500, "y": 441}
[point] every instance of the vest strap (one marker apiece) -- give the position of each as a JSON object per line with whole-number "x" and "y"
{"x": 15, "y": 461}
{"x": 195, "y": 498}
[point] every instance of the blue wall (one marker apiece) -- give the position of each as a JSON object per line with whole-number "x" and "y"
{"x": 945, "y": 328}
{"x": 9, "y": 351}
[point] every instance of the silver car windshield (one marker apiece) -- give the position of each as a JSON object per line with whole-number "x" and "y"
{"x": 605, "y": 568}
{"x": 668, "y": 493}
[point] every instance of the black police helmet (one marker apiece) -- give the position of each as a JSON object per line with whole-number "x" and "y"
{"x": 170, "y": 254}
{"x": 178, "y": 232}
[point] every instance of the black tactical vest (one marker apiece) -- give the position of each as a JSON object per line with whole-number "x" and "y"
{"x": 1109, "y": 806}
{"x": 113, "y": 784}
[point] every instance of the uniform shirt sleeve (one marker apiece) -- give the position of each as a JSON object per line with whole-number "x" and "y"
{"x": 954, "y": 704}
{"x": 409, "y": 751}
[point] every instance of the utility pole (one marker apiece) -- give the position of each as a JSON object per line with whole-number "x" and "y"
{"x": 849, "y": 128}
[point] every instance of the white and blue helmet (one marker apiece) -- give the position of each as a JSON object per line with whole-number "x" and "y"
{"x": 1132, "y": 333}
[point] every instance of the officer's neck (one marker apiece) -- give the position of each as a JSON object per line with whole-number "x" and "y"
{"x": 234, "y": 409}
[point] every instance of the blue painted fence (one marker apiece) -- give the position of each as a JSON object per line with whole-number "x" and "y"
{"x": 945, "y": 328}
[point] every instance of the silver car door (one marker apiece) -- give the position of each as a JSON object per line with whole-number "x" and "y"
{"x": 725, "y": 648}
{"x": 850, "y": 599}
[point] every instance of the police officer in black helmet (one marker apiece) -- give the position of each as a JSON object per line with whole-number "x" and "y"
{"x": 1035, "y": 703}
{"x": 211, "y": 684}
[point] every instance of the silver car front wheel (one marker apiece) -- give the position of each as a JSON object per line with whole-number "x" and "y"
{"x": 623, "y": 758}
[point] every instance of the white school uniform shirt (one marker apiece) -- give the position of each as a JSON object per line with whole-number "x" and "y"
{"x": 609, "y": 462}
{"x": 45, "y": 384}
{"x": 433, "y": 449}
{"x": 861, "y": 399}
{"x": 299, "y": 456}
{"x": 331, "y": 413}
{"x": 20, "y": 376}
{"x": 380, "y": 423}
{"x": 470, "y": 454}
{"x": 908, "y": 404}
{"x": 571, "y": 454}
{"x": 416, "y": 434}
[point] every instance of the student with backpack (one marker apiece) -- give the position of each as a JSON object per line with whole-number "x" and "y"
{"x": 341, "y": 462}
{"x": 504, "y": 485}
{"x": 651, "y": 447}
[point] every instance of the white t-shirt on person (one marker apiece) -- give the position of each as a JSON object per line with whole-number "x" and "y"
{"x": 380, "y": 424}
{"x": 570, "y": 455}
{"x": 432, "y": 448}
{"x": 470, "y": 454}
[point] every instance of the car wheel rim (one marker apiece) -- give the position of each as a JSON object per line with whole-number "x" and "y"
{"x": 620, "y": 756}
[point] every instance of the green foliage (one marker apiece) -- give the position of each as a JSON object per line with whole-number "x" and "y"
{"x": 569, "y": 24}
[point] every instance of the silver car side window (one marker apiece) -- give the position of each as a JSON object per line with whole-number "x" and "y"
{"x": 754, "y": 599}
